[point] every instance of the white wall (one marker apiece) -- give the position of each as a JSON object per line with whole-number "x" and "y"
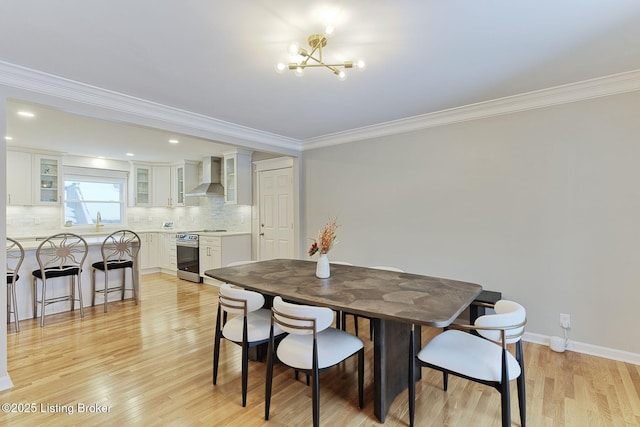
{"x": 542, "y": 205}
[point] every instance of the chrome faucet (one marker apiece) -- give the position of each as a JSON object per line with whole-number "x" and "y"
{"x": 98, "y": 221}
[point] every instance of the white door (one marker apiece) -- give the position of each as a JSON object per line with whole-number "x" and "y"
{"x": 276, "y": 214}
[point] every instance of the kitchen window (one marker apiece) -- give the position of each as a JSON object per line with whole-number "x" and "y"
{"x": 88, "y": 192}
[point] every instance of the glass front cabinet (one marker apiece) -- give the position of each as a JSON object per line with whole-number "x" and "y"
{"x": 48, "y": 180}
{"x": 237, "y": 177}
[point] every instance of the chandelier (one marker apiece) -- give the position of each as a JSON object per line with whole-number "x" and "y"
{"x": 314, "y": 57}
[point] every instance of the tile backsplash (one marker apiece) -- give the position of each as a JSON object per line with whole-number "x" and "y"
{"x": 212, "y": 213}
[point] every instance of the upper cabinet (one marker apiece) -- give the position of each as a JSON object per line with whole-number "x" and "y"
{"x": 237, "y": 177}
{"x": 184, "y": 177}
{"x": 48, "y": 180}
{"x": 33, "y": 179}
{"x": 19, "y": 178}
{"x": 163, "y": 185}
{"x": 140, "y": 185}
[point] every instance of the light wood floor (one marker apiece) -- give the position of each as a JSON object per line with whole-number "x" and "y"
{"x": 151, "y": 365}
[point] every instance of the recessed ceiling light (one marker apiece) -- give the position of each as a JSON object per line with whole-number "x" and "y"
{"x": 130, "y": 154}
{"x": 26, "y": 114}
{"x": 174, "y": 141}
{"x": 8, "y": 138}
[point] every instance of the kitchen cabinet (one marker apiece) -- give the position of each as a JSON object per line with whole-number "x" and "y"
{"x": 216, "y": 252}
{"x": 168, "y": 257}
{"x": 210, "y": 253}
{"x": 140, "y": 185}
{"x": 149, "y": 248}
{"x": 184, "y": 177}
{"x": 161, "y": 187}
{"x": 237, "y": 177}
{"x": 19, "y": 178}
{"x": 47, "y": 184}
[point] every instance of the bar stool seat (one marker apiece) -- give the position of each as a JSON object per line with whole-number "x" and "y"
{"x": 119, "y": 251}
{"x": 61, "y": 255}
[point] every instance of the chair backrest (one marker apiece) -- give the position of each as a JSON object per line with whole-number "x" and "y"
{"x": 121, "y": 245}
{"x": 382, "y": 267}
{"x": 239, "y": 301}
{"x": 510, "y": 317}
{"x": 63, "y": 251}
{"x": 15, "y": 256}
{"x": 301, "y": 319}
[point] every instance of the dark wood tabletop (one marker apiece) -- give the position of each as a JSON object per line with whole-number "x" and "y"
{"x": 403, "y": 297}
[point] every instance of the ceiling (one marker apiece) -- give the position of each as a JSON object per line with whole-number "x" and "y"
{"x": 216, "y": 58}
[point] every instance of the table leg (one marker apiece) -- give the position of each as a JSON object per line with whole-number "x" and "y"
{"x": 390, "y": 360}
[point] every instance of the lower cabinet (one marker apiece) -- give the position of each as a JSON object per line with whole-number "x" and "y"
{"x": 216, "y": 252}
{"x": 168, "y": 257}
{"x": 149, "y": 248}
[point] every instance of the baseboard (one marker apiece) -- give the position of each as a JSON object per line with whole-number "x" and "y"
{"x": 5, "y": 382}
{"x": 590, "y": 349}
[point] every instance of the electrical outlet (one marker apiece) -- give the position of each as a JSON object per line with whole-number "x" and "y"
{"x": 565, "y": 321}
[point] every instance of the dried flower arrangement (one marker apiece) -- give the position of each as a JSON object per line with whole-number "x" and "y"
{"x": 326, "y": 238}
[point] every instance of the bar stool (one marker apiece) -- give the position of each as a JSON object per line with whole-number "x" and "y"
{"x": 119, "y": 252}
{"x": 15, "y": 256}
{"x": 61, "y": 255}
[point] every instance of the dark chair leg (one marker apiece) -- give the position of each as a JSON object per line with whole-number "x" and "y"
{"x": 371, "y": 329}
{"x": 216, "y": 347}
{"x": 445, "y": 381}
{"x": 355, "y": 321}
{"x": 504, "y": 392}
{"x": 267, "y": 393}
{"x": 245, "y": 371}
{"x": 412, "y": 381}
{"x": 361, "y": 378}
{"x": 315, "y": 384}
{"x": 522, "y": 400}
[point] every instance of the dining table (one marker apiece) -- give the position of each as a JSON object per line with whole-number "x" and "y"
{"x": 393, "y": 301}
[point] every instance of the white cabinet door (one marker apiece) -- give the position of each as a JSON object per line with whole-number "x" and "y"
{"x": 184, "y": 177}
{"x": 210, "y": 254}
{"x": 47, "y": 180}
{"x": 140, "y": 185}
{"x": 161, "y": 187}
{"x": 237, "y": 177}
{"x": 19, "y": 178}
{"x": 168, "y": 259}
{"x": 149, "y": 246}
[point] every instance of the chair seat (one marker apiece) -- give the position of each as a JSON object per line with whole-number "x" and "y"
{"x": 57, "y": 272}
{"x": 334, "y": 346}
{"x": 10, "y": 278}
{"x": 468, "y": 355}
{"x": 258, "y": 326}
{"x": 112, "y": 265}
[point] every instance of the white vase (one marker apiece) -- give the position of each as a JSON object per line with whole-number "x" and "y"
{"x": 322, "y": 267}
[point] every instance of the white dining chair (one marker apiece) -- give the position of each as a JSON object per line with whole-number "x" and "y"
{"x": 484, "y": 359}
{"x": 311, "y": 346}
{"x": 250, "y": 326}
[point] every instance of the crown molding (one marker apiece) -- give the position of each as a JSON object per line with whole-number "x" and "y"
{"x": 207, "y": 127}
{"x": 573, "y": 92}
{"x": 43, "y": 83}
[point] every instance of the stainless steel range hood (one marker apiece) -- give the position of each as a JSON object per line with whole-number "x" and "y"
{"x": 211, "y": 177}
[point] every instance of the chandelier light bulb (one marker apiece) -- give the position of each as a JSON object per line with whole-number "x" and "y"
{"x": 299, "y": 71}
{"x": 360, "y": 64}
{"x": 329, "y": 30}
{"x": 293, "y": 48}
{"x": 280, "y": 67}
{"x": 342, "y": 75}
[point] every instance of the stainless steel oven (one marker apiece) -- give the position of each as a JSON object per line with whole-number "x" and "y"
{"x": 188, "y": 257}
